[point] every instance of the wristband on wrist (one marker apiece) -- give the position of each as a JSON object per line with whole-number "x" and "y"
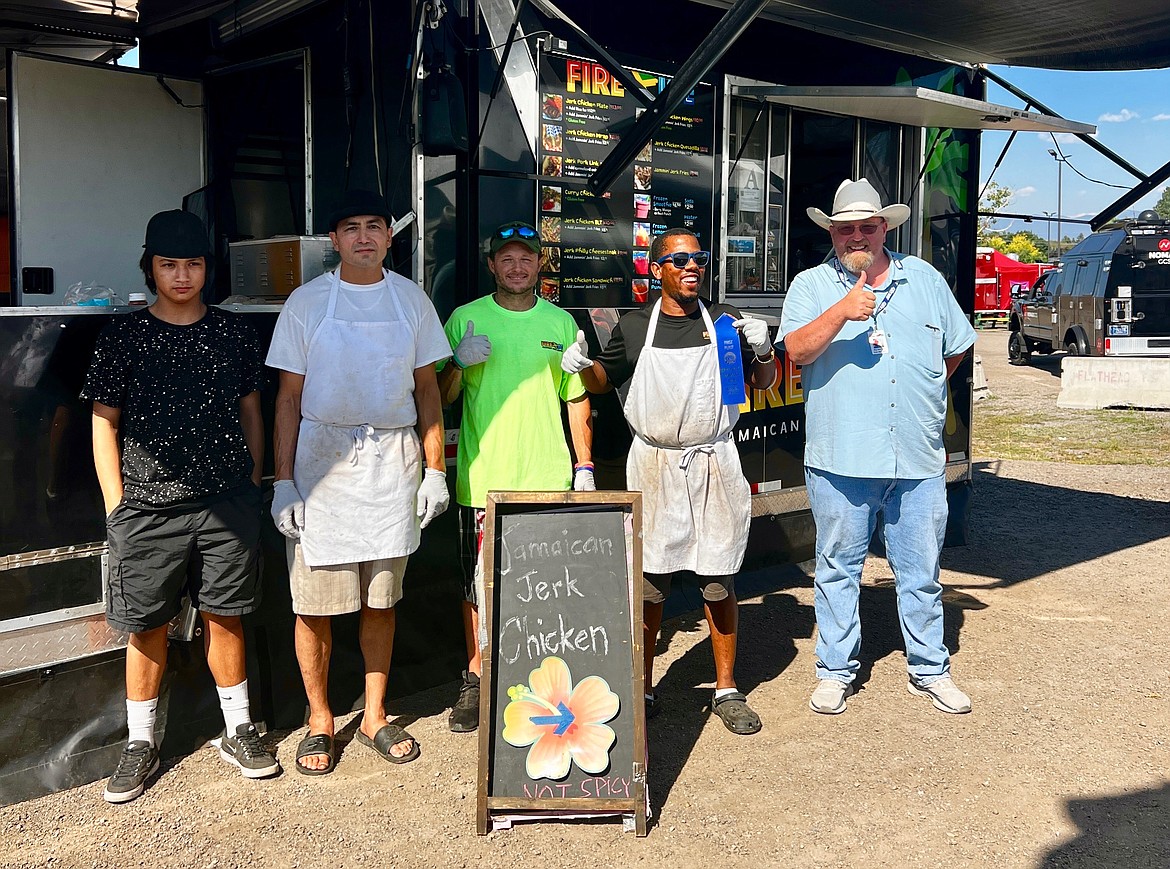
{"x": 583, "y": 466}
{"x": 455, "y": 361}
{"x": 767, "y": 357}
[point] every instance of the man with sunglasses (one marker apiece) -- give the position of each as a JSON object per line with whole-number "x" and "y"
{"x": 696, "y": 504}
{"x": 506, "y": 360}
{"x": 878, "y": 334}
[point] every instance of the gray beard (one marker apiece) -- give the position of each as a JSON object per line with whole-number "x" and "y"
{"x": 858, "y": 261}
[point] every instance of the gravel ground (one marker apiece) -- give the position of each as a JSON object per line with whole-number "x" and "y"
{"x": 1057, "y": 619}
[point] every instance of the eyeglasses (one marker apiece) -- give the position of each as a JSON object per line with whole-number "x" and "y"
{"x": 845, "y": 230}
{"x": 521, "y": 229}
{"x": 682, "y": 257}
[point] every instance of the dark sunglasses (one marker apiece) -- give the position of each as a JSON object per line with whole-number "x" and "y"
{"x": 521, "y": 229}
{"x": 682, "y": 257}
{"x": 846, "y": 230}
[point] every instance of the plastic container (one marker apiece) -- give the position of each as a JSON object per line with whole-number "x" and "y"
{"x": 137, "y": 300}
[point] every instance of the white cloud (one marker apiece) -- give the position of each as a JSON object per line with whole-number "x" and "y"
{"x": 1025, "y": 191}
{"x": 1162, "y": 117}
{"x": 1119, "y": 117}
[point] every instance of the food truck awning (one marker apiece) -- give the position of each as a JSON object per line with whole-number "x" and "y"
{"x": 1070, "y": 34}
{"x": 914, "y": 107}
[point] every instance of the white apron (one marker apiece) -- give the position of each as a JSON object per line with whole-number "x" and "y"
{"x": 696, "y": 504}
{"x": 358, "y": 463}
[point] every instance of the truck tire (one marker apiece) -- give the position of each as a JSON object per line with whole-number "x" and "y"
{"x": 1018, "y": 351}
{"x": 1073, "y": 348}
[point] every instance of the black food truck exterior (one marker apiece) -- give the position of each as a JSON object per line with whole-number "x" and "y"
{"x": 281, "y": 117}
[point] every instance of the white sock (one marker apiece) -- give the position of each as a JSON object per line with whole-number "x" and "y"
{"x": 234, "y": 703}
{"x": 723, "y": 692}
{"x": 140, "y": 719}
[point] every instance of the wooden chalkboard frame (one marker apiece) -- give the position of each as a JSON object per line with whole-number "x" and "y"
{"x": 507, "y": 503}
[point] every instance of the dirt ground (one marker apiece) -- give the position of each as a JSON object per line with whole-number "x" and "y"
{"x": 1056, "y": 615}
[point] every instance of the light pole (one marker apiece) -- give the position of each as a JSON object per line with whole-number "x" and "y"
{"x": 1060, "y": 161}
{"x": 1048, "y": 215}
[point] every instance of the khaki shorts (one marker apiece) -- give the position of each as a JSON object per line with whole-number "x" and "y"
{"x": 343, "y": 588}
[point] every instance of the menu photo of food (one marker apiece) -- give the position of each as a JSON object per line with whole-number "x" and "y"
{"x": 550, "y": 259}
{"x": 551, "y": 107}
{"x": 550, "y": 230}
{"x": 641, "y": 234}
{"x": 550, "y": 289}
{"x": 551, "y": 166}
{"x": 642, "y": 177}
{"x": 550, "y": 198}
{"x": 550, "y": 139}
{"x": 647, "y": 153}
{"x": 641, "y": 262}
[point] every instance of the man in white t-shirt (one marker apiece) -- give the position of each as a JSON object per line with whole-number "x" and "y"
{"x": 356, "y": 349}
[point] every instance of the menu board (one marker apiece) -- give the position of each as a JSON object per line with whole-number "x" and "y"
{"x": 596, "y": 247}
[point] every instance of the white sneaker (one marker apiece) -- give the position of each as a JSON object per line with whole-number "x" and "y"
{"x": 944, "y": 694}
{"x": 828, "y": 697}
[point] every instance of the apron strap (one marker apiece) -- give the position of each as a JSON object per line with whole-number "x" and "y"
{"x": 361, "y": 434}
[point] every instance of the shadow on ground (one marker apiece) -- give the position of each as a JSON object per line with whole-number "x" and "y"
{"x": 1021, "y": 530}
{"x": 1131, "y": 830}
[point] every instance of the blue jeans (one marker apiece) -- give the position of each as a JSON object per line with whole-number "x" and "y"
{"x": 913, "y": 514}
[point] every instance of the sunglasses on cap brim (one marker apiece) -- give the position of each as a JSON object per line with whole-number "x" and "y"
{"x": 522, "y": 230}
{"x": 682, "y": 257}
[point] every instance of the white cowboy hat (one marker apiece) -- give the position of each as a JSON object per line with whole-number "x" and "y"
{"x": 857, "y": 200}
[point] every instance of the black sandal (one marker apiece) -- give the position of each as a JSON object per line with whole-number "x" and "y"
{"x": 735, "y": 714}
{"x": 317, "y": 743}
{"x": 386, "y": 738}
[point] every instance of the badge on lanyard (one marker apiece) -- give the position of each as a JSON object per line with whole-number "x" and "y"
{"x": 730, "y": 360}
{"x": 877, "y": 342}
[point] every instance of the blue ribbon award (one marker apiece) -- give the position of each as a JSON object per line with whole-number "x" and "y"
{"x": 730, "y": 361}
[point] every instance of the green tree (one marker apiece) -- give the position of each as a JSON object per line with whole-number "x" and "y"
{"x": 1024, "y": 248}
{"x": 1163, "y": 204}
{"x": 995, "y": 199}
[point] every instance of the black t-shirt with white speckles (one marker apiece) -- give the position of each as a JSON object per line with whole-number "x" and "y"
{"x": 179, "y": 390}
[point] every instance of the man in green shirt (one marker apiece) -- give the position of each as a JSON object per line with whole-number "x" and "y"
{"x": 507, "y": 360}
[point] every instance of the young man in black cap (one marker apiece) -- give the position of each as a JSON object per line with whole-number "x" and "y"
{"x": 358, "y": 454}
{"x": 178, "y": 440}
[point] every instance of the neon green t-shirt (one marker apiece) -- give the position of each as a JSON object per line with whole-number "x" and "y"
{"x": 511, "y": 435}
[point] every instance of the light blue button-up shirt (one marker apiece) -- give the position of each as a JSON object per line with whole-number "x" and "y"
{"x": 869, "y": 415}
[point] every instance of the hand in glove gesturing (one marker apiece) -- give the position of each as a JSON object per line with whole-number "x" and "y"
{"x": 472, "y": 349}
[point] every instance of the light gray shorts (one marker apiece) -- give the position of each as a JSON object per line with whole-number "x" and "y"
{"x": 337, "y": 589}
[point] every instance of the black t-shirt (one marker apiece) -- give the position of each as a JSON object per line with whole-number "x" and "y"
{"x": 673, "y": 333}
{"x": 179, "y": 390}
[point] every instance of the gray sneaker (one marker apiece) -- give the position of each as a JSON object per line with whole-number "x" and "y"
{"x": 828, "y": 697}
{"x": 139, "y": 762}
{"x": 245, "y": 751}
{"x": 944, "y": 694}
{"x": 465, "y": 713}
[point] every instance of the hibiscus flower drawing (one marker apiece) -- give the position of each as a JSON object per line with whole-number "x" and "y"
{"x": 562, "y": 724}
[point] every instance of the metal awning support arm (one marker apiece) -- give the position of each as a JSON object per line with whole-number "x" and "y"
{"x": 717, "y": 43}
{"x": 613, "y": 66}
{"x": 1087, "y": 139}
{"x": 1147, "y": 185}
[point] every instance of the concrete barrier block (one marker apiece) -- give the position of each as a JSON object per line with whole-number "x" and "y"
{"x": 1114, "y": 381}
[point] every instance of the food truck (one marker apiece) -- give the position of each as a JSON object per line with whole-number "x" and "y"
{"x": 464, "y": 114}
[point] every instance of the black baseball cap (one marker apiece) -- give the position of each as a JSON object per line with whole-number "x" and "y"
{"x": 176, "y": 234}
{"x": 357, "y": 202}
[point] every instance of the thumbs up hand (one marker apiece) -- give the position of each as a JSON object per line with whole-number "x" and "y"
{"x": 575, "y": 359}
{"x": 472, "y": 349}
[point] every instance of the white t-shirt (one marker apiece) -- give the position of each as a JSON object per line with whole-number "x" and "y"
{"x": 308, "y": 304}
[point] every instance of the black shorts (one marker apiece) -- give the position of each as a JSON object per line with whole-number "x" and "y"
{"x": 211, "y": 552}
{"x": 470, "y": 546}
{"x": 656, "y": 586}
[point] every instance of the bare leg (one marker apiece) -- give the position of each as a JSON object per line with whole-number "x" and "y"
{"x": 471, "y": 636}
{"x": 376, "y": 636}
{"x": 146, "y": 659}
{"x": 651, "y": 623}
{"x": 723, "y": 619}
{"x": 314, "y": 644}
{"x": 224, "y": 644}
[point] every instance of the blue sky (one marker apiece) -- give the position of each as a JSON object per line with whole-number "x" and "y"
{"x": 1132, "y": 114}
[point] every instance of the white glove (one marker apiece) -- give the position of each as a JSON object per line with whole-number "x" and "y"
{"x": 433, "y": 496}
{"x": 756, "y": 333}
{"x": 288, "y": 509}
{"x": 583, "y": 479}
{"x": 472, "y": 349}
{"x": 574, "y": 360}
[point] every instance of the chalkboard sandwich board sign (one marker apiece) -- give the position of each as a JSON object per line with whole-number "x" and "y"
{"x": 562, "y": 720}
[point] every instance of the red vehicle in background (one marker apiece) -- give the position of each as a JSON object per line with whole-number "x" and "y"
{"x": 996, "y": 276}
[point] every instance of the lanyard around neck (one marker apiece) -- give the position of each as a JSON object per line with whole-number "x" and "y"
{"x": 885, "y": 302}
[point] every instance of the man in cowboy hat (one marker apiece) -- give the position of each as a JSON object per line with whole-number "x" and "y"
{"x": 878, "y": 334}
